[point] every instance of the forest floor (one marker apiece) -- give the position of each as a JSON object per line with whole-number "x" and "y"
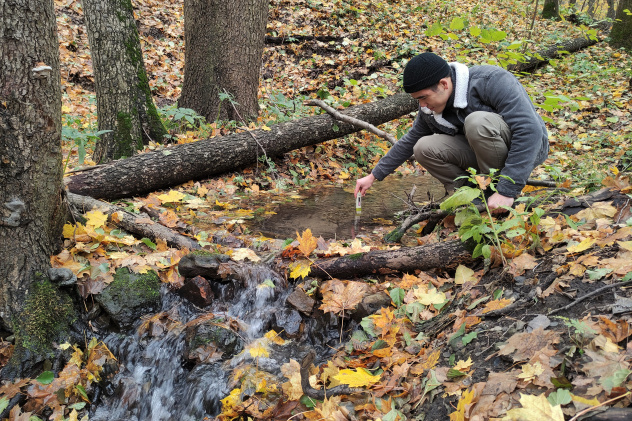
{"x": 503, "y": 352}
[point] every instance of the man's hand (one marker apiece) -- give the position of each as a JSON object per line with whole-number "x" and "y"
{"x": 363, "y": 184}
{"x": 497, "y": 200}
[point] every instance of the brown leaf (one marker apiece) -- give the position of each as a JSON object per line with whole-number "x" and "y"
{"x": 615, "y": 331}
{"x": 500, "y": 383}
{"x": 529, "y": 344}
{"x": 604, "y": 364}
{"x": 338, "y": 297}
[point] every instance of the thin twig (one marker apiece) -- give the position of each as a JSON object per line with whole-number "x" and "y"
{"x": 351, "y": 120}
{"x": 579, "y": 414}
{"x": 592, "y": 294}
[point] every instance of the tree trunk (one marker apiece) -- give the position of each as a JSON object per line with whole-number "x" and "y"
{"x": 31, "y": 210}
{"x": 551, "y": 9}
{"x": 152, "y": 171}
{"x": 621, "y": 33}
{"x": 224, "y": 43}
{"x": 408, "y": 259}
{"x": 124, "y": 102}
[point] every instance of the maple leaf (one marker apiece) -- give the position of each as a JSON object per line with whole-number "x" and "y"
{"x": 300, "y": 268}
{"x": 338, "y": 297}
{"x": 520, "y": 264}
{"x": 463, "y": 365}
{"x": 359, "y": 378}
{"x": 357, "y": 247}
{"x": 244, "y": 253}
{"x": 307, "y": 242}
{"x": 429, "y": 297}
{"x": 604, "y": 364}
{"x": 528, "y": 344}
{"x": 530, "y": 372}
{"x": 169, "y": 218}
{"x": 596, "y": 211}
{"x": 96, "y": 218}
{"x": 172, "y": 196}
{"x": 535, "y": 408}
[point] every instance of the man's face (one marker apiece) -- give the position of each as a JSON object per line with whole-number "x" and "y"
{"x": 435, "y": 100}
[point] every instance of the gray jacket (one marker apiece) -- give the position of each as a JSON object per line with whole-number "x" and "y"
{"x": 492, "y": 89}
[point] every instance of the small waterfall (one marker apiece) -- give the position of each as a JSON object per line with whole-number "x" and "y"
{"x": 155, "y": 381}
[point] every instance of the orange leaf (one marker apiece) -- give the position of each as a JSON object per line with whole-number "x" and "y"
{"x": 307, "y": 242}
{"x": 496, "y": 305}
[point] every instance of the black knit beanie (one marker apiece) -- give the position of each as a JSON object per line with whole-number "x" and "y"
{"x": 423, "y": 71}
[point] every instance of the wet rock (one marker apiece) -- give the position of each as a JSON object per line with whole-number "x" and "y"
{"x": 62, "y": 276}
{"x": 370, "y": 305}
{"x": 289, "y": 321}
{"x": 301, "y": 301}
{"x": 130, "y": 296}
{"x": 211, "y": 340}
{"x": 200, "y": 263}
{"x": 198, "y": 291}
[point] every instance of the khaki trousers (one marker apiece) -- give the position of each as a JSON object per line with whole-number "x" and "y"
{"x": 484, "y": 146}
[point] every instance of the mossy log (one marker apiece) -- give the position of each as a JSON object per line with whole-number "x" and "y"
{"x": 135, "y": 224}
{"x": 440, "y": 255}
{"x": 178, "y": 164}
{"x": 552, "y": 52}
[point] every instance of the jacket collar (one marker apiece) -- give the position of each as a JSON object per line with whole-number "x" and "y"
{"x": 462, "y": 76}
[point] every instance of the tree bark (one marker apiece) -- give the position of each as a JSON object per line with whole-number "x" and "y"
{"x": 31, "y": 211}
{"x": 224, "y": 43}
{"x": 551, "y": 9}
{"x": 552, "y": 52}
{"x": 180, "y": 163}
{"x": 439, "y": 255}
{"x": 621, "y": 33}
{"x": 124, "y": 102}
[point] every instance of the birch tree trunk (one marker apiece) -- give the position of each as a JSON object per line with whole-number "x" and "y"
{"x": 124, "y": 102}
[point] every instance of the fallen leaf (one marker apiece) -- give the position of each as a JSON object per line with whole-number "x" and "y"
{"x": 96, "y": 218}
{"x": 300, "y": 268}
{"x": 528, "y": 344}
{"x": 172, "y": 196}
{"x": 338, "y": 297}
{"x": 307, "y": 242}
{"x": 535, "y": 408}
{"x": 530, "y": 372}
{"x": 361, "y": 377}
{"x": 243, "y": 254}
{"x": 496, "y": 305}
{"x": 584, "y": 245}
{"x": 464, "y": 274}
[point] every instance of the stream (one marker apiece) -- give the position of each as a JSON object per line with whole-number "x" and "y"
{"x": 156, "y": 381}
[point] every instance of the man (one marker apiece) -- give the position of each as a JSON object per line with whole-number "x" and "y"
{"x": 479, "y": 117}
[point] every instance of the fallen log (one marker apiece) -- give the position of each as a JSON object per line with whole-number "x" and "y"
{"x": 178, "y": 164}
{"x": 542, "y": 57}
{"x": 135, "y": 224}
{"x": 440, "y": 255}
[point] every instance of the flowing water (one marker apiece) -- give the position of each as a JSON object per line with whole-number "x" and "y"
{"x": 156, "y": 382}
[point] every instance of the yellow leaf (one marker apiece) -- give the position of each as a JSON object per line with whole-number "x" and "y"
{"x": 338, "y": 297}
{"x": 530, "y": 372}
{"x": 463, "y": 366}
{"x": 625, "y": 245}
{"x": 466, "y": 399}
{"x": 597, "y": 210}
{"x": 431, "y": 296}
{"x": 266, "y": 128}
{"x": 585, "y": 401}
{"x": 292, "y": 388}
{"x": 307, "y": 242}
{"x": 344, "y": 175}
{"x": 258, "y": 350}
{"x": 464, "y": 274}
{"x": 584, "y": 245}
{"x": 172, "y": 196}
{"x": 300, "y": 268}
{"x": 231, "y": 400}
{"x": 244, "y": 253}
{"x": 96, "y": 218}
{"x": 535, "y": 408}
{"x": 359, "y": 378}
{"x": 357, "y": 247}
{"x": 274, "y": 337}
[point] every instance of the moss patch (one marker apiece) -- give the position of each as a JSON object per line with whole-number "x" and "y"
{"x": 47, "y": 316}
{"x": 130, "y": 296}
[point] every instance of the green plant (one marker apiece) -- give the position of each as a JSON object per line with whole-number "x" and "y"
{"x": 581, "y": 332}
{"x": 74, "y": 129}
{"x": 180, "y": 119}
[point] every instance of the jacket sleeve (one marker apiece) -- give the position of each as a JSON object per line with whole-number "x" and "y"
{"x": 506, "y": 95}
{"x": 402, "y": 149}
